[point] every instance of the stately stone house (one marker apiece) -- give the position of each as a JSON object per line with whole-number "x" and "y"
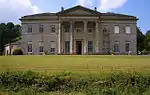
{"x": 79, "y": 30}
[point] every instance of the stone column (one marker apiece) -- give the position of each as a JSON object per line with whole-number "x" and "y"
{"x": 59, "y": 38}
{"x": 71, "y": 38}
{"x": 96, "y": 38}
{"x": 85, "y": 35}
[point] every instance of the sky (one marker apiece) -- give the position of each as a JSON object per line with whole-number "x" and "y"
{"x": 12, "y": 10}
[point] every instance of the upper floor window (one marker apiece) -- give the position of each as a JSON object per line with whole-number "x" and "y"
{"x": 105, "y": 31}
{"x": 66, "y": 29}
{"x": 90, "y": 30}
{"x": 67, "y": 46}
{"x": 29, "y": 29}
{"x": 116, "y": 46}
{"x": 29, "y": 46}
{"x": 90, "y": 46}
{"x": 41, "y": 28}
{"x": 116, "y": 29}
{"x": 128, "y": 29}
{"x": 78, "y": 29}
{"x": 53, "y": 28}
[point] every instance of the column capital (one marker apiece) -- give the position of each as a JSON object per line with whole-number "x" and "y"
{"x": 85, "y": 21}
{"x": 71, "y": 21}
{"x": 97, "y": 21}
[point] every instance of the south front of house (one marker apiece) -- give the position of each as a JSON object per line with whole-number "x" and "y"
{"x": 78, "y": 30}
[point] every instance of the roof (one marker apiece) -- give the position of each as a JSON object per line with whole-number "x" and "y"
{"x": 66, "y": 11}
{"x": 115, "y": 14}
{"x": 94, "y": 12}
{"x": 41, "y": 14}
{"x": 14, "y": 43}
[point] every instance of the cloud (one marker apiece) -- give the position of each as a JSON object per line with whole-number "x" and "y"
{"x": 106, "y": 5}
{"x": 85, "y": 2}
{"x": 12, "y": 10}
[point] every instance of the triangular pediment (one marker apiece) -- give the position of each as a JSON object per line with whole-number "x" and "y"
{"x": 79, "y": 10}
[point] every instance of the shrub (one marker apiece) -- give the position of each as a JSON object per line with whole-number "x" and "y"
{"x": 1, "y": 53}
{"x": 112, "y": 84}
{"x": 17, "y": 52}
{"x": 46, "y": 52}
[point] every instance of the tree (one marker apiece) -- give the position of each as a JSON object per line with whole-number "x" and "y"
{"x": 140, "y": 40}
{"x": 9, "y": 33}
{"x": 147, "y": 41}
{"x": 2, "y": 35}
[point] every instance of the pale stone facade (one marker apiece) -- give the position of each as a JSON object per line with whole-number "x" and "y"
{"x": 79, "y": 30}
{"x": 9, "y": 48}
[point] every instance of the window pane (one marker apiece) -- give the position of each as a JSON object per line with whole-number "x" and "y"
{"x": 116, "y": 47}
{"x": 90, "y": 30}
{"x": 67, "y": 46}
{"x": 29, "y": 29}
{"x": 66, "y": 29}
{"x": 127, "y": 46}
{"x": 53, "y": 28}
{"x": 29, "y": 47}
{"x": 90, "y": 46}
{"x": 52, "y": 50}
{"x": 116, "y": 29}
{"x": 41, "y": 28}
{"x": 41, "y": 49}
{"x": 128, "y": 30}
{"x": 78, "y": 30}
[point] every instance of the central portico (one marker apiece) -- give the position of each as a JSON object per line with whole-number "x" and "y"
{"x": 78, "y": 34}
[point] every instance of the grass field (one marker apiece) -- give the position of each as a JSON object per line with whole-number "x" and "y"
{"x": 76, "y": 63}
{"x": 79, "y": 65}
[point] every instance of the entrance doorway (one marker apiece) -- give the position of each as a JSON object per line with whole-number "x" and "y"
{"x": 79, "y": 47}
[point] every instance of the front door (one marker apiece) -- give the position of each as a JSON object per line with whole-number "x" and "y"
{"x": 79, "y": 47}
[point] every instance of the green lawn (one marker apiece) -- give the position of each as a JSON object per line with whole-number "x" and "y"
{"x": 76, "y": 63}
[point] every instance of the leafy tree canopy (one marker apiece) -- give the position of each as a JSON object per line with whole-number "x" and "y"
{"x": 9, "y": 33}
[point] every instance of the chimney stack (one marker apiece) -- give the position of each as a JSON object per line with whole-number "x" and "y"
{"x": 62, "y": 8}
{"x": 95, "y": 8}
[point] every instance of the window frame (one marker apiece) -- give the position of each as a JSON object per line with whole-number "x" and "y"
{"x": 41, "y": 44}
{"x": 29, "y": 29}
{"x": 90, "y": 47}
{"x": 115, "y": 29}
{"x": 91, "y": 29}
{"x": 52, "y": 50}
{"x": 29, "y": 49}
{"x": 129, "y": 45}
{"x": 52, "y": 47}
{"x": 66, "y": 29}
{"x": 126, "y": 29}
{"x": 41, "y": 28}
{"x": 67, "y": 46}
{"x": 41, "y": 49}
{"x": 78, "y": 29}
{"x": 116, "y": 47}
{"x": 53, "y": 28}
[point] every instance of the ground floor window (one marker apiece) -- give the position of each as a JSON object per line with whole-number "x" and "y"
{"x": 29, "y": 47}
{"x": 67, "y": 46}
{"x": 41, "y": 46}
{"x": 127, "y": 46}
{"x": 52, "y": 50}
{"x": 41, "y": 49}
{"x": 90, "y": 46}
{"x": 116, "y": 47}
